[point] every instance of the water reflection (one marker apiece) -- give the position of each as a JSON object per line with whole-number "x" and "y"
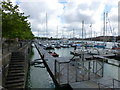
{"x": 39, "y": 77}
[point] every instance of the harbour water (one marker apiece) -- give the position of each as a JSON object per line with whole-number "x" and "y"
{"x": 109, "y": 70}
{"x": 40, "y": 78}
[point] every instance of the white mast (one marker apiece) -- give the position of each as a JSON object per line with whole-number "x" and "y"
{"x": 73, "y": 33}
{"x": 57, "y": 32}
{"x": 46, "y": 25}
{"x": 82, "y": 28}
{"x": 106, "y": 24}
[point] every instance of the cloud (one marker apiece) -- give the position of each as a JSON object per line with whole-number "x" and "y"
{"x": 68, "y": 15}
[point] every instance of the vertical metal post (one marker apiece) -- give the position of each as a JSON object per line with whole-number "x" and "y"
{"x": 96, "y": 67}
{"x": 76, "y": 72}
{"x": 113, "y": 83}
{"x": 99, "y": 86}
{"x": 55, "y": 68}
{"x": 103, "y": 68}
{"x": 59, "y": 74}
{"x": 93, "y": 66}
{"x": 119, "y": 73}
{"x": 67, "y": 72}
{"x": 83, "y": 59}
{"x": 89, "y": 71}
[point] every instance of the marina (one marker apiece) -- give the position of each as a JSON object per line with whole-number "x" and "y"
{"x": 63, "y": 44}
{"x": 90, "y": 73}
{"x": 75, "y": 66}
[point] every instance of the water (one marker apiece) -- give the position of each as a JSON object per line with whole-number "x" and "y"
{"x": 64, "y": 52}
{"x": 39, "y": 77}
{"x": 109, "y": 70}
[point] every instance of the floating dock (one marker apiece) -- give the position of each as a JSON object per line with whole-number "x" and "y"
{"x": 65, "y": 71}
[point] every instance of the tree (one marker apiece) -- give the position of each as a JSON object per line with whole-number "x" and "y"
{"x": 14, "y": 23}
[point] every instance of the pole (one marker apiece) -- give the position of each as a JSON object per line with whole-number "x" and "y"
{"x": 93, "y": 66}
{"x": 59, "y": 74}
{"x": 76, "y": 72}
{"x": 68, "y": 72}
{"x": 104, "y": 27}
{"x": 55, "y": 68}
{"x": 102, "y": 67}
{"x": 57, "y": 32}
{"x": 82, "y": 29}
{"x": 89, "y": 71}
{"x": 106, "y": 23}
{"x": 46, "y": 25}
{"x": 91, "y": 31}
{"x": 73, "y": 32}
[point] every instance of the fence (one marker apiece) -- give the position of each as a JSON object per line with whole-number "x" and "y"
{"x": 77, "y": 71}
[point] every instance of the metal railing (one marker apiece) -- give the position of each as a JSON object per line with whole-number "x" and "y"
{"x": 68, "y": 72}
{"x": 6, "y": 47}
{"x": 113, "y": 84}
{"x": 116, "y": 83}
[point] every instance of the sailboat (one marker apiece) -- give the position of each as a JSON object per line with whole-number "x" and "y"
{"x": 103, "y": 45}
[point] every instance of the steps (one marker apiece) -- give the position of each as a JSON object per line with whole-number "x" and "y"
{"x": 16, "y": 71}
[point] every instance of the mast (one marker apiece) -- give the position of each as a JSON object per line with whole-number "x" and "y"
{"x": 46, "y": 25}
{"x": 73, "y": 33}
{"x": 103, "y": 26}
{"x": 91, "y": 31}
{"x": 57, "y": 32}
{"x": 106, "y": 25}
{"x": 82, "y": 29}
{"x": 38, "y": 32}
{"x": 62, "y": 33}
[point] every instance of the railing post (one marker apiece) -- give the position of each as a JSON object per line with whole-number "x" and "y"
{"x": 89, "y": 71}
{"x": 55, "y": 67}
{"x": 68, "y": 72}
{"x": 76, "y": 72}
{"x": 99, "y": 86}
{"x": 113, "y": 84}
{"x": 96, "y": 68}
{"x": 103, "y": 68}
{"x": 93, "y": 66}
{"x": 59, "y": 74}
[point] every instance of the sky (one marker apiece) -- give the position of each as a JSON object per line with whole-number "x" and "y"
{"x": 63, "y": 18}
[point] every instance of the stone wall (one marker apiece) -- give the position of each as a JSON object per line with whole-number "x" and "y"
{"x": 26, "y": 50}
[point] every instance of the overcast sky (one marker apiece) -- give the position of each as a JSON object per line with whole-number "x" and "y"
{"x": 64, "y": 17}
